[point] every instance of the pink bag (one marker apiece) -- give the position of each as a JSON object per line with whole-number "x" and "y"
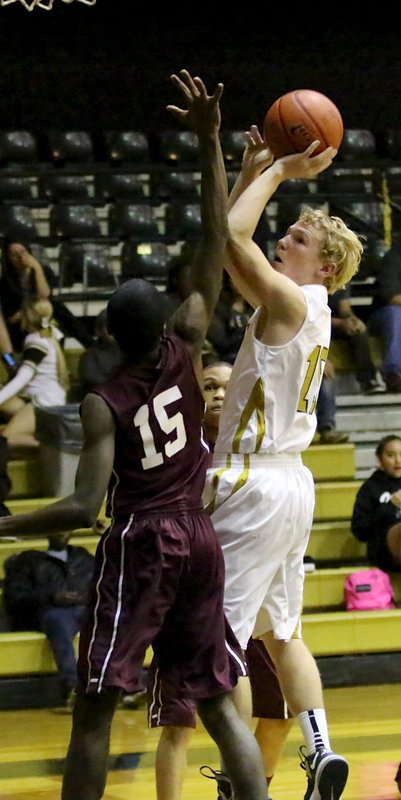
{"x": 368, "y": 590}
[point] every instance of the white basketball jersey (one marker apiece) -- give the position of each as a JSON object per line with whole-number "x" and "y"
{"x": 269, "y": 406}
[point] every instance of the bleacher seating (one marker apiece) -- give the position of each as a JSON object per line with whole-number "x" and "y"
{"x": 79, "y": 184}
{"x": 82, "y": 191}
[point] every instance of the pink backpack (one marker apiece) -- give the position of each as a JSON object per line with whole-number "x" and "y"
{"x": 368, "y": 590}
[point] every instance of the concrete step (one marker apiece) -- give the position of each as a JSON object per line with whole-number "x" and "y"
{"x": 333, "y": 540}
{"x": 335, "y": 500}
{"x": 331, "y": 462}
{"x": 342, "y": 632}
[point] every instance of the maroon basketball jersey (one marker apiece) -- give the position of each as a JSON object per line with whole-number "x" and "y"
{"x": 160, "y": 453}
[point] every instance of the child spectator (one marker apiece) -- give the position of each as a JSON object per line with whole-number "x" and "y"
{"x": 376, "y": 517}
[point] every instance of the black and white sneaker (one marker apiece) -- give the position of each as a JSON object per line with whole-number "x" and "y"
{"x": 224, "y": 788}
{"x": 327, "y": 774}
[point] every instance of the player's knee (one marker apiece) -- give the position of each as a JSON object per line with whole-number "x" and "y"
{"x": 216, "y": 711}
{"x": 94, "y": 712}
{"x": 177, "y": 735}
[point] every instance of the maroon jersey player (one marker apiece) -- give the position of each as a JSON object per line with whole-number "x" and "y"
{"x": 159, "y": 570}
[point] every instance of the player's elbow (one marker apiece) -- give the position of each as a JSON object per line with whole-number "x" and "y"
{"x": 85, "y": 511}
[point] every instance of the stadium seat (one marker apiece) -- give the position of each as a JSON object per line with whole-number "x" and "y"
{"x": 71, "y": 220}
{"x": 389, "y": 143}
{"x": 233, "y": 146}
{"x": 55, "y": 187}
{"x": 126, "y": 146}
{"x": 149, "y": 260}
{"x": 179, "y": 146}
{"x": 135, "y": 220}
{"x": 17, "y": 147}
{"x": 17, "y": 222}
{"x": 357, "y": 145}
{"x": 15, "y": 188}
{"x": 119, "y": 186}
{"x": 183, "y": 220}
{"x": 343, "y": 183}
{"x": 362, "y": 217}
{"x": 70, "y": 146}
{"x": 294, "y": 186}
{"x": 394, "y": 184}
{"x": 88, "y": 263}
{"x": 167, "y": 185}
{"x": 289, "y": 209}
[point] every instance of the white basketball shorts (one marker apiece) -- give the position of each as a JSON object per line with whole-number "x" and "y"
{"x": 262, "y": 510}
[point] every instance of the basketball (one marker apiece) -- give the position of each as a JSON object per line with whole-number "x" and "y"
{"x": 300, "y": 117}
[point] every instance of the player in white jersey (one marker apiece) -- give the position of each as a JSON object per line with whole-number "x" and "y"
{"x": 260, "y": 494}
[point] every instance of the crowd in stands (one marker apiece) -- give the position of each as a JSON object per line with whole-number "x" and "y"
{"x": 42, "y": 590}
{"x": 34, "y": 323}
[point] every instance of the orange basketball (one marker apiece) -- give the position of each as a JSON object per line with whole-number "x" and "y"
{"x": 299, "y": 117}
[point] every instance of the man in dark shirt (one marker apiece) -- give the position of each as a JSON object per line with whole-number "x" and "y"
{"x": 47, "y": 591}
{"x": 345, "y": 324}
{"x": 159, "y": 571}
{"x": 385, "y": 320}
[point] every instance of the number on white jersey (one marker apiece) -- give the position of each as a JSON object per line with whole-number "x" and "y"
{"x": 313, "y": 378}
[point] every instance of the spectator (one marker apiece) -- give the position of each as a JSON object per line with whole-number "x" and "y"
{"x": 229, "y": 321}
{"x": 46, "y": 591}
{"x": 41, "y": 379}
{"x": 99, "y": 362}
{"x": 23, "y": 278}
{"x": 326, "y": 409}
{"x": 346, "y": 325}
{"x": 376, "y": 517}
{"x": 385, "y": 320}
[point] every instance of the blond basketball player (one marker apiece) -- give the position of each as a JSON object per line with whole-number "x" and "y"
{"x": 259, "y": 492}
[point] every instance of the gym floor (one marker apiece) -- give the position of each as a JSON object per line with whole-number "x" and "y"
{"x": 364, "y": 722}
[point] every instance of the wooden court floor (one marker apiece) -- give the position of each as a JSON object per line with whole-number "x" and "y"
{"x": 365, "y": 727}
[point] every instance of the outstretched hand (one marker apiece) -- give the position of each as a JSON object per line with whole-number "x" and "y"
{"x": 203, "y": 112}
{"x": 257, "y": 154}
{"x": 305, "y": 164}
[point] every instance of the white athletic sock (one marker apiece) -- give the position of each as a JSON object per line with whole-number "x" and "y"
{"x": 314, "y": 728}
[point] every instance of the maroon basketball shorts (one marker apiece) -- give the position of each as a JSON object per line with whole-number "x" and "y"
{"x": 159, "y": 580}
{"x": 267, "y": 698}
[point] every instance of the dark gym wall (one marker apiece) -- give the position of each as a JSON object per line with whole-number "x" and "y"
{"x": 107, "y": 66}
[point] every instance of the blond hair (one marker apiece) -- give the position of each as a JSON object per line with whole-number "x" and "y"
{"x": 340, "y": 246}
{"x": 38, "y": 313}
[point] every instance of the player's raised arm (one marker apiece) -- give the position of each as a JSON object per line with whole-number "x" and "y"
{"x": 249, "y": 268}
{"x": 202, "y": 115}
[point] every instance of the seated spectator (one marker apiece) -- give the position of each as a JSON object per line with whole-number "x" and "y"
{"x": 385, "y": 320}
{"x": 326, "y": 409}
{"x": 229, "y": 321}
{"x": 346, "y": 325}
{"x": 99, "y": 362}
{"x": 376, "y": 517}
{"x": 41, "y": 379}
{"x": 46, "y": 591}
{"x": 23, "y": 278}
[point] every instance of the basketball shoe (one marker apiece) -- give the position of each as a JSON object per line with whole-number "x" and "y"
{"x": 327, "y": 774}
{"x": 224, "y": 788}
